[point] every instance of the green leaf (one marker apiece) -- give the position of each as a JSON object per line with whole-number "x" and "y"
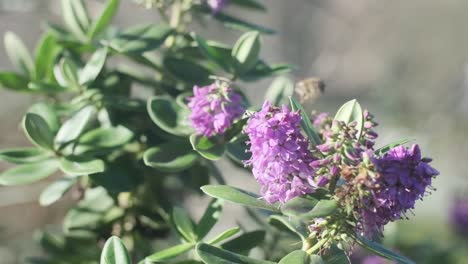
{"x": 238, "y": 196}
{"x": 69, "y": 72}
{"x": 224, "y": 235}
{"x": 106, "y": 137}
{"x": 209, "y": 218}
{"x": 237, "y": 152}
{"x": 245, "y": 242}
{"x": 322, "y": 209}
{"x": 114, "y": 252}
{"x": 216, "y": 54}
{"x": 55, "y": 191}
{"x": 94, "y": 66}
{"x": 250, "y": 4}
{"x": 279, "y": 91}
{"x": 24, "y": 155}
{"x": 187, "y": 70}
{"x": 169, "y": 116}
{"x": 295, "y": 257}
{"x": 81, "y": 166}
{"x": 238, "y": 24}
{"x": 351, "y": 112}
{"x": 18, "y": 54}
{"x": 38, "y": 131}
{"x": 170, "y": 157}
{"x": 47, "y": 112}
{"x": 306, "y": 124}
{"x": 48, "y": 88}
{"x": 28, "y": 173}
{"x": 169, "y": 253}
{"x": 46, "y": 53}
{"x": 207, "y": 148}
{"x": 13, "y": 81}
{"x": 213, "y": 255}
{"x": 104, "y": 18}
{"x": 388, "y": 147}
{"x": 140, "y": 39}
{"x": 380, "y": 250}
{"x": 246, "y": 51}
{"x": 90, "y": 212}
{"x": 290, "y": 224}
{"x": 184, "y": 224}
{"x": 263, "y": 70}
{"x": 233, "y": 133}
{"x": 316, "y": 259}
{"x": 75, "y": 17}
{"x": 74, "y": 126}
{"x": 299, "y": 206}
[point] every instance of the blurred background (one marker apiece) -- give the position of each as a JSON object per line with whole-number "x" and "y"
{"x": 405, "y": 61}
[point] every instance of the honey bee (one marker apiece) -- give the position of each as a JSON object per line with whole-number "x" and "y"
{"x": 309, "y": 89}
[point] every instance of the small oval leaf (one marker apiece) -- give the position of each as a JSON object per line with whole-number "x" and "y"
{"x": 246, "y": 51}
{"x": 28, "y": 173}
{"x": 351, "y": 112}
{"x": 306, "y": 124}
{"x": 24, "y": 155}
{"x": 94, "y": 66}
{"x": 169, "y": 116}
{"x": 79, "y": 166}
{"x": 169, "y": 253}
{"x": 224, "y": 235}
{"x": 295, "y": 257}
{"x": 207, "y": 147}
{"x": 183, "y": 224}
{"x": 106, "y": 137}
{"x": 213, "y": 255}
{"x": 74, "y": 126}
{"x": 238, "y": 196}
{"x": 18, "y": 54}
{"x": 114, "y": 252}
{"x": 170, "y": 157}
{"x": 55, "y": 191}
{"x": 38, "y": 131}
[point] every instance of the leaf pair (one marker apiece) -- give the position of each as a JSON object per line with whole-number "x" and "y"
{"x": 77, "y": 19}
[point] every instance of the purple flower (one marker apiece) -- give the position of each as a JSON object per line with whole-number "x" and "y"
{"x": 214, "y": 109}
{"x": 403, "y": 177}
{"x": 368, "y": 134}
{"x": 459, "y": 216}
{"x": 217, "y": 5}
{"x": 321, "y": 119}
{"x": 280, "y": 154}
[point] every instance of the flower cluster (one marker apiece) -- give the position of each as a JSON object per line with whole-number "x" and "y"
{"x": 214, "y": 109}
{"x": 280, "y": 154}
{"x": 217, "y": 5}
{"x": 459, "y": 216}
{"x": 377, "y": 190}
{"x": 322, "y": 123}
{"x": 368, "y": 136}
{"x": 371, "y": 190}
{"x": 340, "y": 150}
{"x": 403, "y": 179}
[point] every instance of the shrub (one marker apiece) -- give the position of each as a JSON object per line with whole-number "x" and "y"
{"x": 132, "y": 161}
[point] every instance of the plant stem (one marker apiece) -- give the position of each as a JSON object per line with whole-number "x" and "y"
{"x": 317, "y": 246}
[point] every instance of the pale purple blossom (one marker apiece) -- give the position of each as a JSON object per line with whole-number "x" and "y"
{"x": 217, "y": 5}
{"x": 280, "y": 154}
{"x": 404, "y": 177}
{"x": 214, "y": 109}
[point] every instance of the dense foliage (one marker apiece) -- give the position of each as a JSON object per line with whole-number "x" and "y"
{"x": 131, "y": 161}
